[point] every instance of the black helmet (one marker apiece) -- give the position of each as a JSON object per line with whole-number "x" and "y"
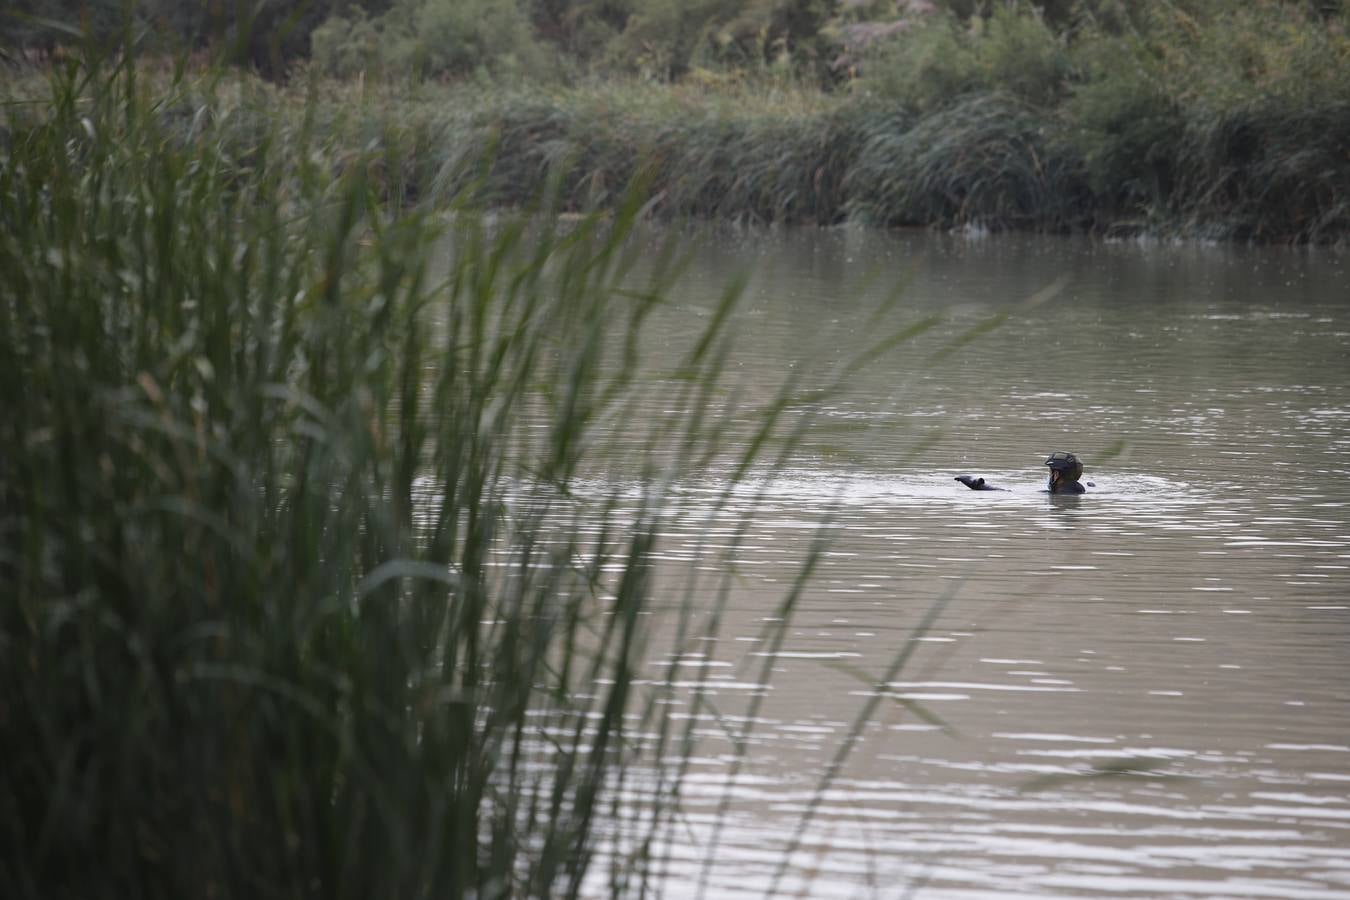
{"x": 1067, "y": 465}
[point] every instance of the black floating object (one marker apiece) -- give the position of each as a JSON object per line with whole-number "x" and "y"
{"x": 975, "y": 484}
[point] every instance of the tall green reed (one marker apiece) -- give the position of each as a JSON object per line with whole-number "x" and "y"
{"x": 328, "y": 566}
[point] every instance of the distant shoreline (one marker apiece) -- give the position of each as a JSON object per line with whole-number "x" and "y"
{"x": 989, "y": 161}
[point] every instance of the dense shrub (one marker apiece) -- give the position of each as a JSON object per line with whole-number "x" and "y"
{"x": 935, "y": 63}
{"x": 1229, "y": 123}
{"x": 431, "y": 39}
{"x": 1123, "y": 120}
{"x": 987, "y": 160}
{"x": 454, "y": 37}
{"x": 349, "y": 47}
{"x": 666, "y": 39}
{"x": 266, "y": 35}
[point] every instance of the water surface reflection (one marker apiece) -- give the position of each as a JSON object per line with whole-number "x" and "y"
{"x": 1139, "y": 692}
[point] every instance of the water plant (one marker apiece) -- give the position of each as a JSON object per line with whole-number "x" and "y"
{"x": 327, "y": 526}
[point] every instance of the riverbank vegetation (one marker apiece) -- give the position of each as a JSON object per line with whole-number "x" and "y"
{"x": 1193, "y": 117}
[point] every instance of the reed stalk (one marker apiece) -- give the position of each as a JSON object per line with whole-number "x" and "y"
{"x": 328, "y": 528}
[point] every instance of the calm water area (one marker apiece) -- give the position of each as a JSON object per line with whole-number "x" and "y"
{"x": 1140, "y": 692}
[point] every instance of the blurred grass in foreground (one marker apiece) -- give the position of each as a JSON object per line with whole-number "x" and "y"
{"x": 301, "y": 597}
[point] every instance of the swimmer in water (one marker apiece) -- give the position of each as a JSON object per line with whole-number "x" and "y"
{"x": 1065, "y": 472}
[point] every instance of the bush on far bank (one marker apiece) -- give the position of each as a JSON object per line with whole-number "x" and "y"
{"x": 1195, "y": 117}
{"x": 1212, "y": 118}
{"x": 430, "y": 39}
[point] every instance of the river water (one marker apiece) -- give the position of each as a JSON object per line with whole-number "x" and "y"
{"x": 1140, "y": 692}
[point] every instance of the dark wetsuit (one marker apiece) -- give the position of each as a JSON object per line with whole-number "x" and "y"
{"x": 1062, "y": 487}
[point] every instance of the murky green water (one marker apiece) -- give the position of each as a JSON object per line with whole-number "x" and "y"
{"x": 1182, "y": 632}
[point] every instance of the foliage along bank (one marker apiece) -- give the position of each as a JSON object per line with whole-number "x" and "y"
{"x": 1196, "y": 118}
{"x": 1233, "y": 128}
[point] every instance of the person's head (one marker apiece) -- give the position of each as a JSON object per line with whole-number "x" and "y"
{"x": 1064, "y": 469}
